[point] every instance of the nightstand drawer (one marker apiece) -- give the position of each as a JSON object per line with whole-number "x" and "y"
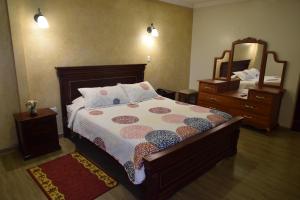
{"x": 41, "y": 127}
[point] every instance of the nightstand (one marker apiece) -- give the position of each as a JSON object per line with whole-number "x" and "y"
{"x": 166, "y": 93}
{"x": 37, "y": 135}
{"x": 188, "y": 96}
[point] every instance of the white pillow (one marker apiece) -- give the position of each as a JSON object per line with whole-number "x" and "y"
{"x": 253, "y": 72}
{"x": 78, "y": 100}
{"x": 246, "y": 75}
{"x": 103, "y": 96}
{"x": 241, "y": 75}
{"x": 139, "y": 91}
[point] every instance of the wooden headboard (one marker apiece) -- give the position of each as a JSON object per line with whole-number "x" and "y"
{"x": 72, "y": 78}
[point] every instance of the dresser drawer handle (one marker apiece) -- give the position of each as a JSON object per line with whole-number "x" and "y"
{"x": 260, "y": 97}
{"x": 213, "y": 99}
{"x": 208, "y": 88}
{"x": 248, "y": 117}
{"x": 248, "y": 106}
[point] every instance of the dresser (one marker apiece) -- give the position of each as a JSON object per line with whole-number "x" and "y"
{"x": 37, "y": 135}
{"x": 259, "y": 106}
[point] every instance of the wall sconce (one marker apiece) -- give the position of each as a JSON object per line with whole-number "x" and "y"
{"x": 152, "y": 30}
{"x": 41, "y": 20}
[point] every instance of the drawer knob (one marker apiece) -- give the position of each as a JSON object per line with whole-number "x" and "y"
{"x": 259, "y": 97}
{"x": 249, "y": 106}
{"x": 213, "y": 99}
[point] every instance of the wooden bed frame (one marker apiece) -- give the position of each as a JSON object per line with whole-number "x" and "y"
{"x": 169, "y": 170}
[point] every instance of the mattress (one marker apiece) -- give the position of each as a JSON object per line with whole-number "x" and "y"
{"x": 131, "y": 131}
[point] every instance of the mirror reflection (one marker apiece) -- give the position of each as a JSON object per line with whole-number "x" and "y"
{"x": 246, "y": 64}
{"x": 273, "y": 71}
{"x": 222, "y": 66}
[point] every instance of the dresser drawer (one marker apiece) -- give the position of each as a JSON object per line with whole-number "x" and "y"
{"x": 216, "y": 99}
{"x": 210, "y": 98}
{"x": 205, "y": 87}
{"x": 209, "y": 105}
{"x": 260, "y": 97}
{"x": 253, "y": 107}
{"x": 250, "y": 118}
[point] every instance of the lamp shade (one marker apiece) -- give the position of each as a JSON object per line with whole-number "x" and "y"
{"x": 41, "y": 20}
{"x": 152, "y": 31}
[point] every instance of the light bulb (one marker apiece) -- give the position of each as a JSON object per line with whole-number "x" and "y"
{"x": 154, "y": 32}
{"x": 42, "y": 22}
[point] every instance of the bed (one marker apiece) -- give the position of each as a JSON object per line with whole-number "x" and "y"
{"x": 191, "y": 157}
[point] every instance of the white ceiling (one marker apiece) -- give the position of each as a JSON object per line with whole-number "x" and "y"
{"x": 201, "y": 3}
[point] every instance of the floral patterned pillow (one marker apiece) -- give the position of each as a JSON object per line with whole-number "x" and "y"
{"x": 103, "y": 96}
{"x": 139, "y": 91}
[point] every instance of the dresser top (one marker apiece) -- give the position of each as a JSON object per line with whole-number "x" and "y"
{"x": 212, "y": 81}
{"x": 42, "y": 112}
{"x": 269, "y": 90}
{"x": 241, "y": 94}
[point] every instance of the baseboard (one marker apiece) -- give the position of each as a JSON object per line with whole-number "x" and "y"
{"x": 9, "y": 149}
{"x": 14, "y": 147}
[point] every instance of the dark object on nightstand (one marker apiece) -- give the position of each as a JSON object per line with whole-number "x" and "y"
{"x": 188, "y": 96}
{"x": 37, "y": 135}
{"x": 166, "y": 93}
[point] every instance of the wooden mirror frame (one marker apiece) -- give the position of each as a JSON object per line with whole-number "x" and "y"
{"x": 263, "y": 66}
{"x": 261, "y": 82}
{"x": 215, "y": 65}
{"x": 263, "y": 61}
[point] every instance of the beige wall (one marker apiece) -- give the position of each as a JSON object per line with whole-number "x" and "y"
{"x": 275, "y": 21}
{"x": 8, "y": 85}
{"x": 98, "y": 32}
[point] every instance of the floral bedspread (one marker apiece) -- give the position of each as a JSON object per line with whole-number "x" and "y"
{"x": 129, "y": 132}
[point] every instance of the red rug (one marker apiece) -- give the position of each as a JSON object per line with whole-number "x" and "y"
{"x": 71, "y": 177}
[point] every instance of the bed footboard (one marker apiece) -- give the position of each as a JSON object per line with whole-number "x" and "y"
{"x": 171, "y": 169}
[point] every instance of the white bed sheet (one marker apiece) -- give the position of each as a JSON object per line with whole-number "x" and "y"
{"x": 252, "y": 83}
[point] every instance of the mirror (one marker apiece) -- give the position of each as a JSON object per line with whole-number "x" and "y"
{"x": 251, "y": 63}
{"x": 247, "y": 56}
{"x": 274, "y": 71}
{"x": 221, "y": 66}
{"x": 247, "y": 61}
